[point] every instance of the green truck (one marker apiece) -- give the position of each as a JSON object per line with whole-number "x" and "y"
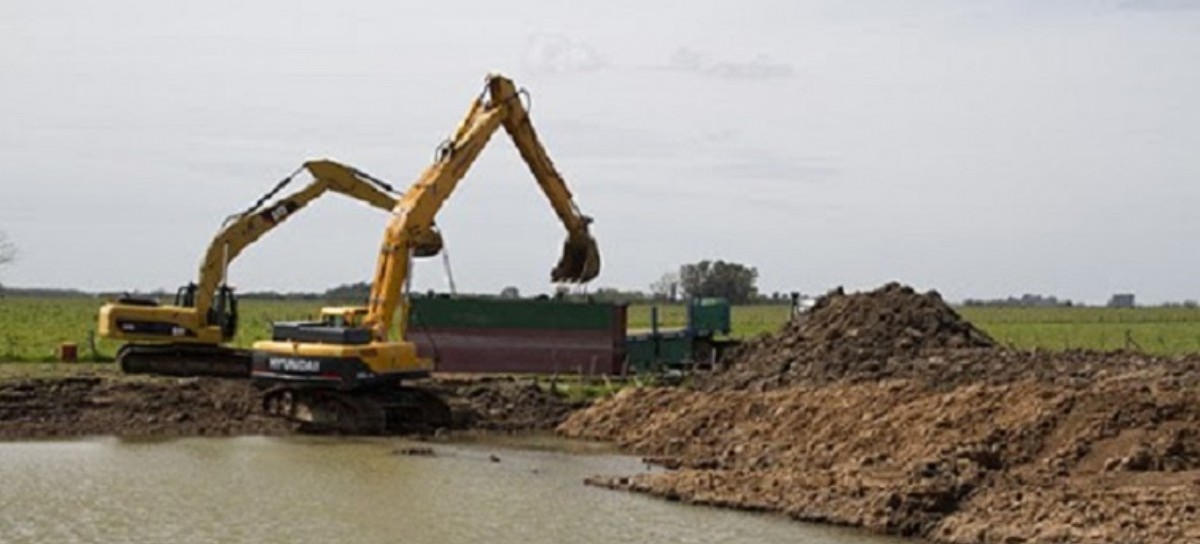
{"x": 697, "y": 344}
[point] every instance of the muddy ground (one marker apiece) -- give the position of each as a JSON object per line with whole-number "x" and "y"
{"x": 885, "y": 410}
{"x": 138, "y": 406}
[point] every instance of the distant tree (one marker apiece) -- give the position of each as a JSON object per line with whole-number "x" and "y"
{"x": 1122, "y": 300}
{"x": 612, "y": 294}
{"x": 666, "y": 288}
{"x": 733, "y": 281}
{"x": 510, "y": 292}
{"x": 8, "y": 250}
{"x": 351, "y": 291}
{"x": 1027, "y": 300}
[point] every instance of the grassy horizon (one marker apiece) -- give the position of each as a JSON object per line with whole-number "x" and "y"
{"x": 32, "y": 327}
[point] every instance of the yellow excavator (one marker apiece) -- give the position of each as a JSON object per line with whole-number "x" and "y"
{"x": 344, "y": 372}
{"x": 186, "y": 338}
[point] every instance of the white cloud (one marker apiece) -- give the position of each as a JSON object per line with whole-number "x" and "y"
{"x": 558, "y": 54}
{"x": 703, "y": 63}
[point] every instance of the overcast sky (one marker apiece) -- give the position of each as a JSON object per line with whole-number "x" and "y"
{"x": 978, "y": 148}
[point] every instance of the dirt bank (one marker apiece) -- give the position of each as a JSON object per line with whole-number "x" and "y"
{"x": 120, "y": 405}
{"x": 885, "y": 410}
{"x": 504, "y": 404}
{"x": 87, "y": 405}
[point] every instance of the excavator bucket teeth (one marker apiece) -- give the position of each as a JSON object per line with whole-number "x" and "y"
{"x": 580, "y": 261}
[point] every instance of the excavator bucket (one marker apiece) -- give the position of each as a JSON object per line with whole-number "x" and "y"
{"x": 580, "y": 260}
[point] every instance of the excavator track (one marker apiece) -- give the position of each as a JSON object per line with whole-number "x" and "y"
{"x": 383, "y": 410}
{"x": 184, "y": 360}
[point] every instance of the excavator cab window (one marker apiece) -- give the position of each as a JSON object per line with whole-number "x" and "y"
{"x": 185, "y": 297}
{"x": 230, "y": 324}
{"x": 224, "y": 312}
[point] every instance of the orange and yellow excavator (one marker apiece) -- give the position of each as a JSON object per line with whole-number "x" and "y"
{"x": 187, "y": 338}
{"x": 344, "y": 372}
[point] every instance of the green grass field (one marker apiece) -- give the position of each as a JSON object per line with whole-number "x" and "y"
{"x": 31, "y": 328}
{"x": 1162, "y": 331}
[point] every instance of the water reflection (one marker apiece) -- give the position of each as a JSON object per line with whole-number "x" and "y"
{"x": 301, "y": 490}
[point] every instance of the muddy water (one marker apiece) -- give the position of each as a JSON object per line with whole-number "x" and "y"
{"x": 321, "y": 490}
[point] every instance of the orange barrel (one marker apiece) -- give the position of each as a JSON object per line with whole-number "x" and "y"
{"x": 68, "y": 352}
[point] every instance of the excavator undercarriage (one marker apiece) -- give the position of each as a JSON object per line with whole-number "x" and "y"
{"x": 382, "y": 409}
{"x": 184, "y": 360}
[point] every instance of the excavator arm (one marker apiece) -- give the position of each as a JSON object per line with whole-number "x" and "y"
{"x": 581, "y": 260}
{"x": 412, "y": 219}
{"x": 243, "y": 229}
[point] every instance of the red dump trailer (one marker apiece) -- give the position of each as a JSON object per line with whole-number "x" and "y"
{"x": 479, "y": 335}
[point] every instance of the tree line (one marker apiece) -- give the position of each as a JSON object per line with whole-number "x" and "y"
{"x": 733, "y": 281}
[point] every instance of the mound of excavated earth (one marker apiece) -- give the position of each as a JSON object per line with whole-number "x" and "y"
{"x": 885, "y": 410}
{"x": 123, "y": 406}
{"x": 865, "y": 336}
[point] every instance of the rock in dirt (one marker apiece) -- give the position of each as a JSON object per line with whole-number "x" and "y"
{"x": 415, "y": 451}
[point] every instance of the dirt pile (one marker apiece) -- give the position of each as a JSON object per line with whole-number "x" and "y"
{"x": 911, "y": 424}
{"x": 895, "y": 332}
{"x": 860, "y": 336}
{"x": 890, "y": 321}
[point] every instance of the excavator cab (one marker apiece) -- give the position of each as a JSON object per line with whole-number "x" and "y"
{"x": 224, "y": 312}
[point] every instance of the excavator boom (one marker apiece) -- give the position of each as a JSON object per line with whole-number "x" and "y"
{"x": 243, "y": 229}
{"x": 413, "y": 216}
{"x": 580, "y": 261}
